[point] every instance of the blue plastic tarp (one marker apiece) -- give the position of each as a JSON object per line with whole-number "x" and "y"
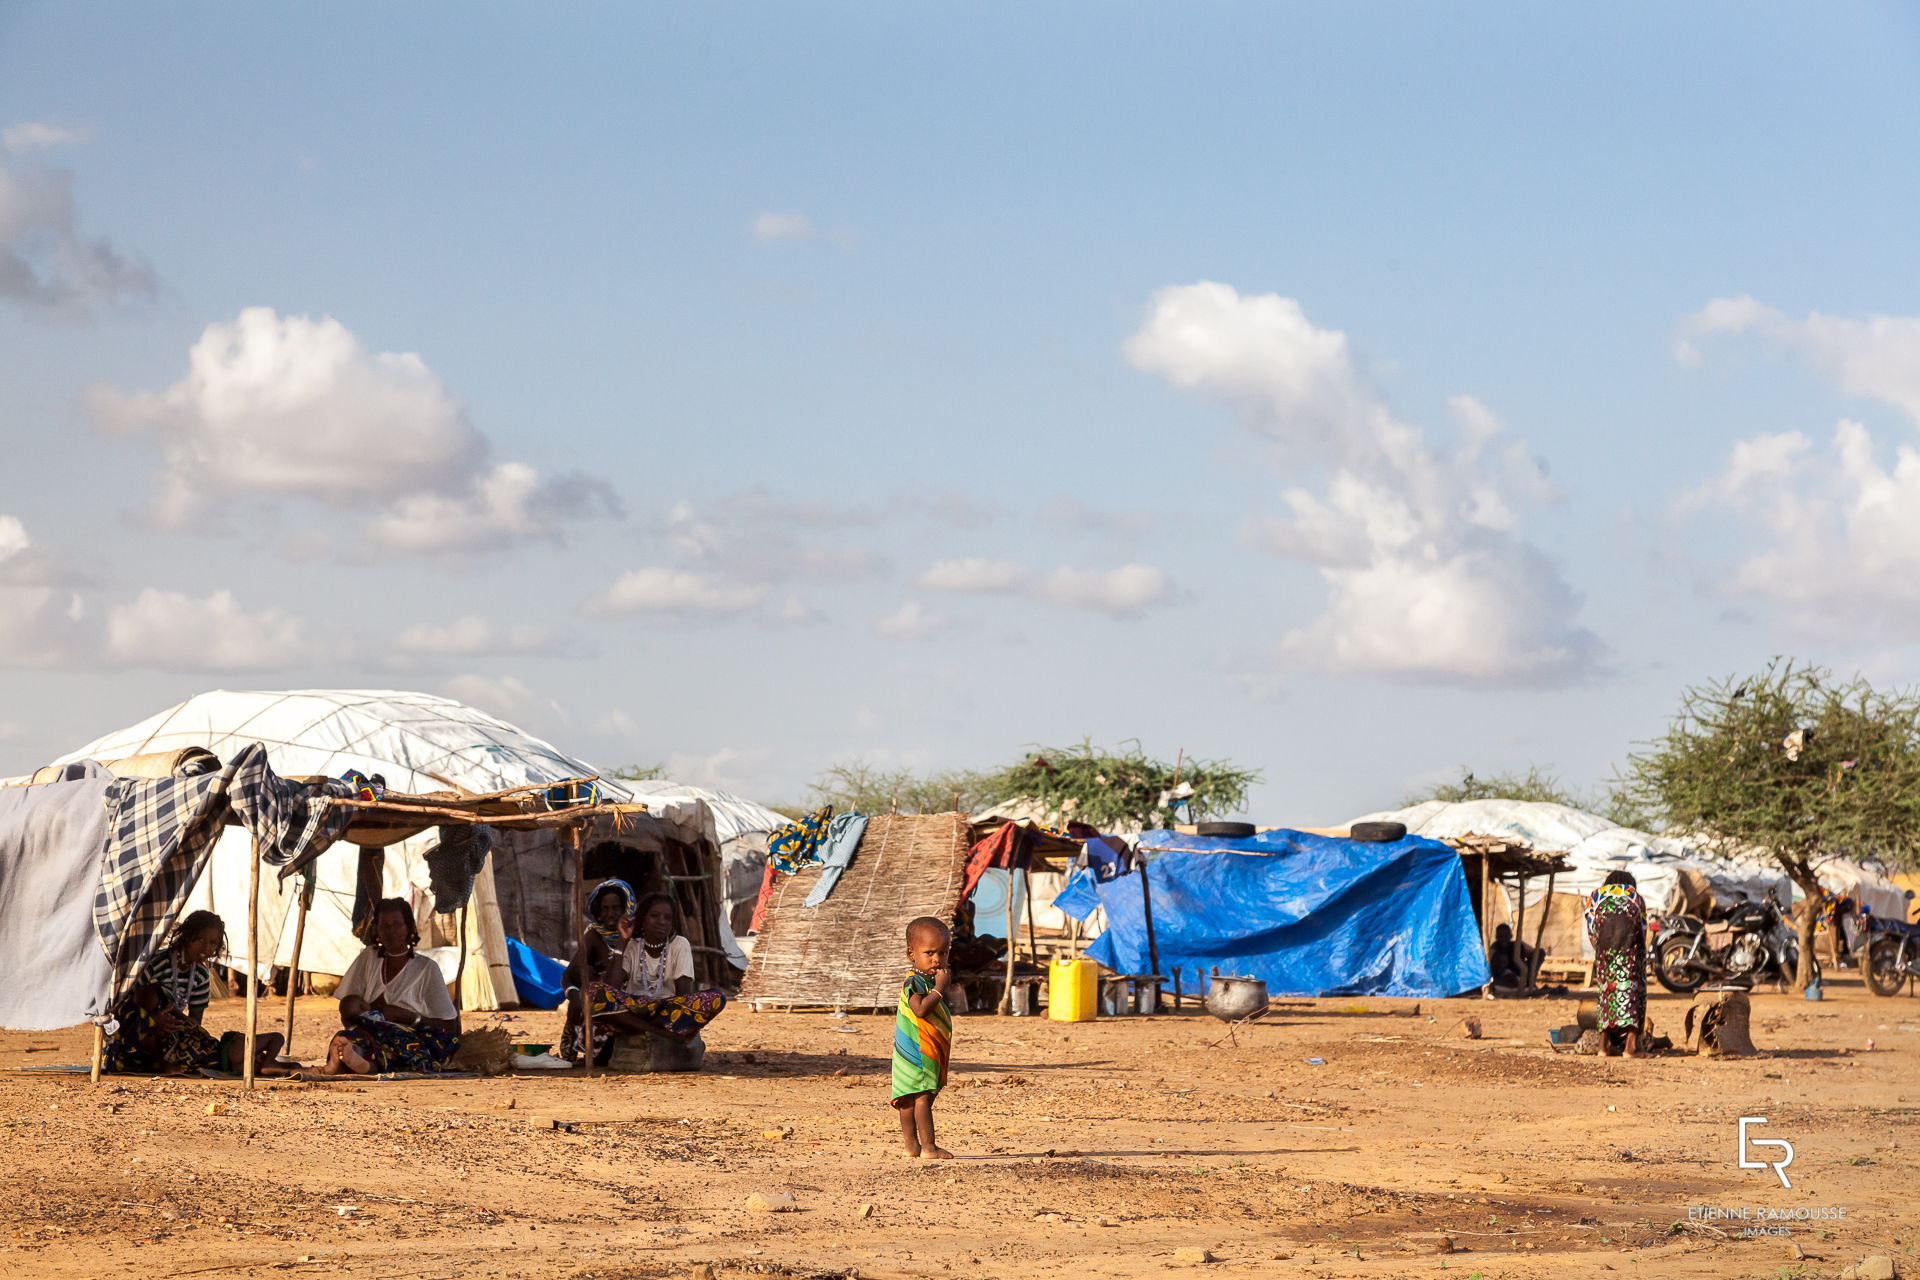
{"x": 1308, "y": 915}
{"x": 537, "y": 977}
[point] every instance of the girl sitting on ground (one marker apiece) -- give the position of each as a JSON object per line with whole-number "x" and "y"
{"x": 395, "y": 1013}
{"x": 160, "y": 1020}
{"x": 601, "y": 946}
{"x": 649, "y": 989}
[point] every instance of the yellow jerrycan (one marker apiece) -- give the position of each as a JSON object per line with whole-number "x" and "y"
{"x": 1073, "y": 990}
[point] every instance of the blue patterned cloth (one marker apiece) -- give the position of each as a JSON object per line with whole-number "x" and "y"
{"x": 843, "y": 837}
{"x": 797, "y": 844}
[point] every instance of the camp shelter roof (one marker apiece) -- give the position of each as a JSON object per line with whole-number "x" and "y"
{"x": 419, "y": 742}
{"x": 733, "y": 816}
{"x": 849, "y": 952}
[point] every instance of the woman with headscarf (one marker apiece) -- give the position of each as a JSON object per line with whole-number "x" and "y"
{"x": 649, "y": 989}
{"x": 1617, "y": 928}
{"x": 159, "y": 1023}
{"x": 395, "y": 1013}
{"x": 610, "y": 906}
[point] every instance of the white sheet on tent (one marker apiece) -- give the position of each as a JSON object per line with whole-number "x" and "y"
{"x": 1594, "y": 845}
{"x": 419, "y": 742}
{"x": 50, "y": 842}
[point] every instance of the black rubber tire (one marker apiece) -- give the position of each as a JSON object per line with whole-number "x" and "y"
{"x": 1228, "y": 830}
{"x": 1883, "y": 976}
{"x": 1378, "y": 832}
{"x": 1676, "y": 977}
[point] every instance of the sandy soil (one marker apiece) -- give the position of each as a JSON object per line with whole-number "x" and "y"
{"x": 1104, "y": 1149}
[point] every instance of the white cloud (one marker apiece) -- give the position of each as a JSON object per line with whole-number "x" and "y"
{"x": 503, "y": 696}
{"x": 472, "y": 637}
{"x": 33, "y": 134}
{"x": 676, "y": 592}
{"x": 713, "y": 769}
{"x": 975, "y": 576}
{"x": 772, "y": 228}
{"x": 172, "y": 631}
{"x": 1428, "y": 577}
{"x": 1878, "y": 357}
{"x": 507, "y": 506}
{"x": 745, "y": 538}
{"x": 1125, "y": 592}
{"x": 279, "y": 406}
{"x": 25, "y": 563}
{"x": 912, "y": 621}
{"x": 1842, "y": 560}
{"x": 46, "y": 264}
{"x": 44, "y": 627}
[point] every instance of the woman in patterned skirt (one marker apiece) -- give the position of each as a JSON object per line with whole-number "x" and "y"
{"x": 649, "y": 989}
{"x": 159, "y": 1023}
{"x": 395, "y": 1013}
{"x": 1617, "y": 929}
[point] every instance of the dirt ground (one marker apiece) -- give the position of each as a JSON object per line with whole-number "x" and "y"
{"x": 1340, "y": 1138}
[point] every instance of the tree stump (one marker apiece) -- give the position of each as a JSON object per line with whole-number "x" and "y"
{"x": 1717, "y": 1023}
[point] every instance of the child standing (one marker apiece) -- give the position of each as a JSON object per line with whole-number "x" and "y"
{"x": 923, "y": 1036}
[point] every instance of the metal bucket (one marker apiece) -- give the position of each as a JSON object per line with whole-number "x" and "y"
{"x": 1231, "y": 999}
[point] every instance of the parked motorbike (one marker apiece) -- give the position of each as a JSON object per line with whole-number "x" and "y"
{"x": 1759, "y": 941}
{"x": 1893, "y": 956}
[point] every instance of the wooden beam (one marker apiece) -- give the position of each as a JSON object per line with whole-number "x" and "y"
{"x": 293, "y": 970}
{"x": 253, "y": 962}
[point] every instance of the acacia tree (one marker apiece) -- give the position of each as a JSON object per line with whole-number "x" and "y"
{"x": 1794, "y": 764}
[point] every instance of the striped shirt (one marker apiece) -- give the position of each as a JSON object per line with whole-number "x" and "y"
{"x": 188, "y": 989}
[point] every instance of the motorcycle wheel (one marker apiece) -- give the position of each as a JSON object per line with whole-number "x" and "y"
{"x": 1671, "y": 968}
{"x": 1884, "y": 977}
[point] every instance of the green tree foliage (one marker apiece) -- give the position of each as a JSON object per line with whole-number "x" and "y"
{"x": 1114, "y": 789}
{"x": 1794, "y": 764}
{"x": 1531, "y": 785}
{"x": 859, "y": 786}
{"x": 639, "y": 773}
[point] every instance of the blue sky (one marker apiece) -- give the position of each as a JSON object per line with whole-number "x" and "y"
{"x": 1356, "y": 392}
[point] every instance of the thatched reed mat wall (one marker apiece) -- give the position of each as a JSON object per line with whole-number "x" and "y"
{"x": 850, "y": 951}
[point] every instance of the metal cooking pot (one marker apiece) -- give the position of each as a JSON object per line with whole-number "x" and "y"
{"x": 1231, "y": 999}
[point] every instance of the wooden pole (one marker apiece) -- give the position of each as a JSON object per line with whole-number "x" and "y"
{"x": 1540, "y": 930}
{"x": 1013, "y": 938}
{"x": 253, "y": 961}
{"x": 574, "y": 838}
{"x": 293, "y": 970}
{"x": 1146, "y": 910}
{"x": 1486, "y": 909}
{"x": 99, "y": 1050}
{"x": 460, "y": 970}
{"x": 1033, "y": 939}
{"x": 1520, "y": 924}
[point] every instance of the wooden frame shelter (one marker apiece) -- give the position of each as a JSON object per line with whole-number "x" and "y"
{"x": 394, "y": 817}
{"x": 1499, "y": 860}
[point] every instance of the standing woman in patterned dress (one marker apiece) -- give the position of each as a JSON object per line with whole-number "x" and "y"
{"x": 1617, "y": 929}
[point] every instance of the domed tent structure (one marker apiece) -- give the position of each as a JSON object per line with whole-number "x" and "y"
{"x": 530, "y": 887}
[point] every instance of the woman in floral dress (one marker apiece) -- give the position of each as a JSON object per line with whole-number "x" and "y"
{"x": 1617, "y": 928}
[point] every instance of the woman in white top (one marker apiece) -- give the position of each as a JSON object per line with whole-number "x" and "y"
{"x": 395, "y": 1013}
{"x": 649, "y": 990}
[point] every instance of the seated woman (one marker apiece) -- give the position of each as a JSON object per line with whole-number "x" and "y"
{"x": 395, "y": 1013}
{"x": 160, "y": 1019}
{"x": 654, "y": 994}
{"x": 600, "y": 949}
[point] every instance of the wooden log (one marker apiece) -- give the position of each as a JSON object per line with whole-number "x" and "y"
{"x": 293, "y": 969}
{"x": 253, "y": 962}
{"x": 1146, "y": 910}
{"x": 1006, "y": 993}
{"x": 99, "y": 1050}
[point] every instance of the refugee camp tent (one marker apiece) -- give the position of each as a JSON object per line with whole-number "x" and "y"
{"x": 1596, "y": 846}
{"x": 531, "y": 887}
{"x": 1309, "y": 915}
{"x": 849, "y": 951}
{"x": 741, "y": 827}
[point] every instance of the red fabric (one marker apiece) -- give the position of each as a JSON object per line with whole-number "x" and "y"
{"x": 766, "y": 897}
{"x": 1006, "y": 847}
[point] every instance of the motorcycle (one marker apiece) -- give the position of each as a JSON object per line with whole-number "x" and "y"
{"x": 1759, "y": 940}
{"x": 1893, "y": 955}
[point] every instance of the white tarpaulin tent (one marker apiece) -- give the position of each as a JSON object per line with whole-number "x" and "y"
{"x": 1596, "y": 846}
{"x": 418, "y": 742}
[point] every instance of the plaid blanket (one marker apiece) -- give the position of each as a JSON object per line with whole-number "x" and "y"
{"x": 161, "y": 832}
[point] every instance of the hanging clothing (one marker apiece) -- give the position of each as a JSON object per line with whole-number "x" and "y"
{"x": 921, "y": 1046}
{"x": 1616, "y": 921}
{"x": 843, "y": 838}
{"x": 797, "y": 844}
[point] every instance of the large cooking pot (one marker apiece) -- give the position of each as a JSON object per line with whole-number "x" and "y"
{"x": 1231, "y": 999}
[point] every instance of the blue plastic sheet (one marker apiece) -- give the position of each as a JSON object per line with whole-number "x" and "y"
{"x": 537, "y": 977}
{"x": 1308, "y": 915}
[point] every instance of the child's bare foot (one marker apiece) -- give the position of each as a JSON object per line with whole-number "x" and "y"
{"x": 934, "y": 1153}
{"x": 913, "y": 1147}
